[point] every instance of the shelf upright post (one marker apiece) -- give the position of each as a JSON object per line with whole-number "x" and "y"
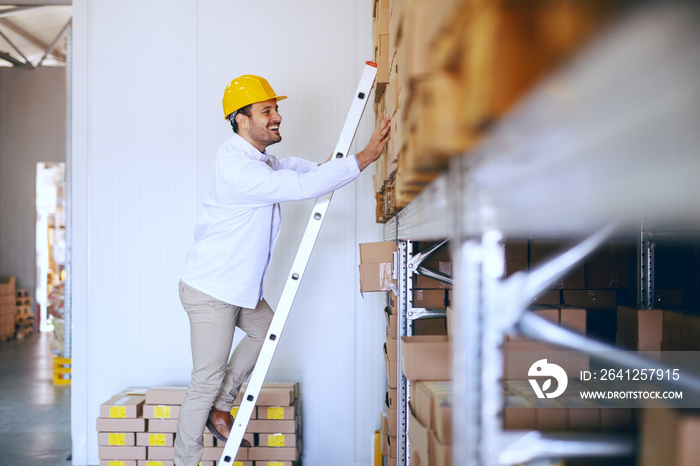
{"x": 645, "y": 268}
{"x": 405, "y": 328}
{"x": 492, "y": 344}
{"x": 467, "y": 346}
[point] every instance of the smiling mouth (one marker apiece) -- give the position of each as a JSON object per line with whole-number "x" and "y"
{"x": 275, "y": 128}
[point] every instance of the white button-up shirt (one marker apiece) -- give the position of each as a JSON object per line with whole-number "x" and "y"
{"x": 236, "y": 233}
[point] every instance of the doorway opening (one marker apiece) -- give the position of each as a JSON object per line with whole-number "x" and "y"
{"x": 50, "y": 242}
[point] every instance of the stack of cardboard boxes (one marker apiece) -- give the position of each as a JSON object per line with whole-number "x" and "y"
{"x": 137, "y": 427}
{"x": 657, "y": 329}
{"x": 448, "y": 69}
{"x": 24, "y": 314}
{"x": 7, "y": 308}
{"x": 669, "y": 437}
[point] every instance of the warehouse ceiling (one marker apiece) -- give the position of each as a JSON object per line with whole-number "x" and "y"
{"x": 34, "y": 35}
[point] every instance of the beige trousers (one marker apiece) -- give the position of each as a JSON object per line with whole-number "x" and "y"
{"x": 214, "y": 382}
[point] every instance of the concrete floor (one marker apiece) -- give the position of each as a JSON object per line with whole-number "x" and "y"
{"x": 34, "y": 413}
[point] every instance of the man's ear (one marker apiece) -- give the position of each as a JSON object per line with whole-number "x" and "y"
{"x": 242, "y": 120}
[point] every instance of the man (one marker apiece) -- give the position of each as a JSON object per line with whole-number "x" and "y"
{"x": 222, "y": 285}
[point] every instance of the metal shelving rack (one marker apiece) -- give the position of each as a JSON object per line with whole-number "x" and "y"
{"x": 613, "y": 137}
{"x": 410, "y": 262}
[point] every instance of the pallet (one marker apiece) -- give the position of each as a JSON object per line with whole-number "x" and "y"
{"x": 24, "y": 319}
{"x": 24, "y": 310}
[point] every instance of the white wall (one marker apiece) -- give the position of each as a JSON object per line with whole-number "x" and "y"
{"x": 147, "y": 123}
{"x": 32, "y": 130}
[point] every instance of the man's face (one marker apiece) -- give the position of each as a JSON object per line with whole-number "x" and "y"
{"x": 263, "y": 125}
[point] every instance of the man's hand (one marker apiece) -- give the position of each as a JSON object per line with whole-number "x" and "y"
{"x": 376, "y": 144}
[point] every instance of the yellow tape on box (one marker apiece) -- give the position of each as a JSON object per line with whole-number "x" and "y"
{"x": 275, "y": 440}
{"x": 156, "y": 440}
{"x": 275, "y": 412}
{"x": 117, "y": 439}
{"x": 162, "y": 412}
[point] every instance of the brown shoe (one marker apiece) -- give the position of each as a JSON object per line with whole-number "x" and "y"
{"x": 220, "y": 423}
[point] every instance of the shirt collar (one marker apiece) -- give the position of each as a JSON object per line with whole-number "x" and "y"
{"x": 248, "y": 149}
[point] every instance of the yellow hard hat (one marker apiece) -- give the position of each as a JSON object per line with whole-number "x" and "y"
{"x": 246, "y": 90}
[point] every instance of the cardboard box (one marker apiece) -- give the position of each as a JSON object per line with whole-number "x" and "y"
{"x": 426, "y": 357}
{"x": 161, "y": 411}
{"x": 518, "y": 358}
{"x": 214, "y": 454}
{"x": 116, "y": 439}
{"x": 449, "y": 321}
{"x": 377, "y": 266}
{"x": 429, "y": 299}
{"x": 390, "y": 349}
{"x": 165, "y": 395}
{"x": 121, "y": 425}
{"x": 392, "y": 449}
{"x": 573, "y": 318}
{"x": 643, "y": 325}
{"x": 277, "y": 412}
{"x": 392, "y": 415}
{"x": 150, "y": 439}
{"x": 391, "y": 397}
{"x": 541, "y": 251}
{"x": 430, "y": 326}
{"x": 382, "y": 69}
{"x": 392, "y": 325}
{"x": 162, "y": 425}
{"x": 391, "y": 372}
{"x": 444, "y": 414}
{"x": 419, "y": 438}
{"x": 546, "y": 312}
{"x": 273, "y": 453}
{"x": 376, "y": 277}
{"x": 519, "y": 418}
{"x": 591, "y": 299}
{"x": 513, "y": 266}
{"x": 441, "y": 453}
{"x": 267, "y": 426}
{"x": 515, "y": 250}
{"x": 277, "y": 440}
{"x": 121, "y": 453}
{"x": 161, "y": 453}
{"x": 423, "y": 282}
{"x": 123, "y": 407}
{"x": 551, "y": 297}
{"x": 552, "y": 419}
{"x": 165, "y": 463}
{"x": 384, "y": 422}
{"x": 672, "y": 325}
{"x": 669, "y": 437}
{"x": 270, "y": 396}
{"x": 127, "y": 463}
